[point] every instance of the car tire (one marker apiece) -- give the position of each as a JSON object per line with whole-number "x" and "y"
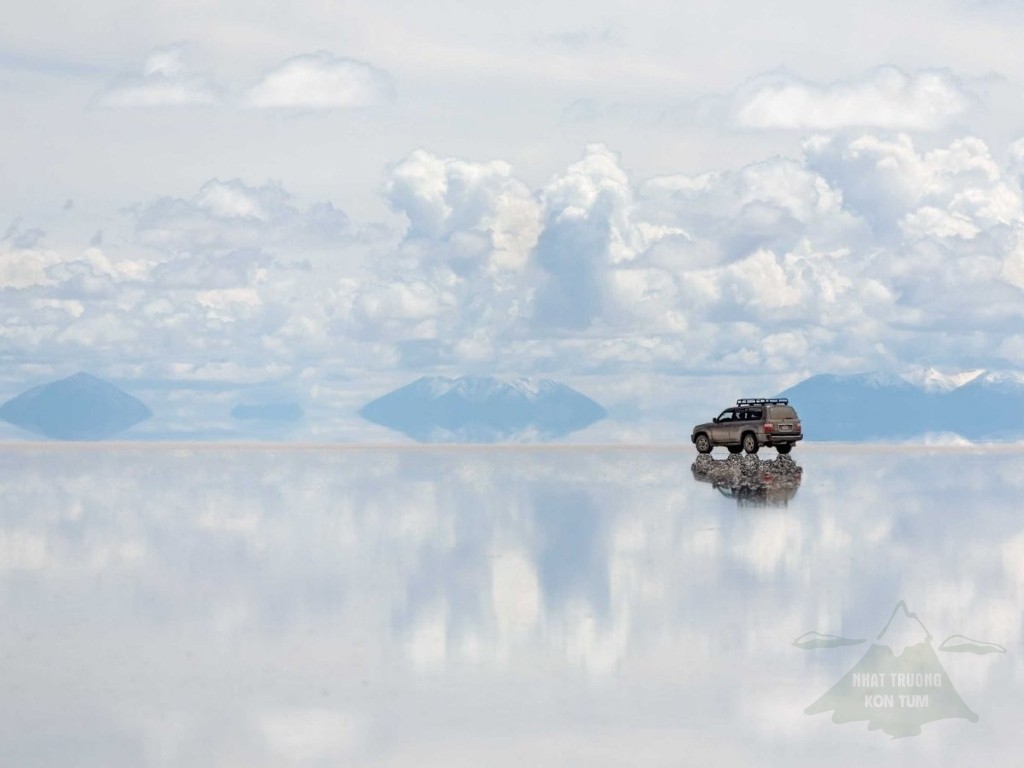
{"x": 750, "y": 443}
{"x": 735, "y": 448}
{"x": 703, "y": 443}
{"x": 784, "y": 448}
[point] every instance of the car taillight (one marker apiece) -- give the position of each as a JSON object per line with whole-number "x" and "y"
{"x": 798, "y": 426}
{"x": 769, "y": 426}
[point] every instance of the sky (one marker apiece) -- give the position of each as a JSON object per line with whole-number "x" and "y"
{"x": 655, "y": 203}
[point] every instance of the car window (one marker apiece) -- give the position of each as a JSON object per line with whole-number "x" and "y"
{"x": 726, "y": 415}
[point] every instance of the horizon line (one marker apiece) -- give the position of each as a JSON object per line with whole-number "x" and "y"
{"x": 266, "y": 445}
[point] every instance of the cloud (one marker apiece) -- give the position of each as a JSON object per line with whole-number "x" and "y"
{"x": 847, "y": 256}
{"x": 860, "y": 252}
{"x": 481, "y": 206}
{"x": 321, "y": 81}
{"x": 587, "y": 228}
{"x": 238, "y": 270}
{"x": 214, "y": 279}
{"x": 233, "y": 214}
{"x": 591, "y": 269}
{"x": 165, "y": 80}
{"x": 22, "y": 238}
{"x": 25, "y": 267}
{"x": 459, "y": 276}
{"x": 886, "y": 97}
{"x": 882, "y": 177}
{"x": 314, "y": 81}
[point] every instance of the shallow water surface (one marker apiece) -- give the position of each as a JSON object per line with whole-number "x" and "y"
{"x": 225, "y": 606}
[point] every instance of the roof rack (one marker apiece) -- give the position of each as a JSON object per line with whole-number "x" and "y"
{"x": 763, "y": 401}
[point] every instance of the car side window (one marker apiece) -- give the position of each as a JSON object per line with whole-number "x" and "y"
{"x": 726, "y": 415}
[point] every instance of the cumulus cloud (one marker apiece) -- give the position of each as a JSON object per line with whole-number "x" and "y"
{"x": 233, "y": 214}
{"x": 165, "y": 80}
{"x": 320, "y": 81}
{"x": 214, "y": 281}
{"x": 25, "y": 267}
{"x": 860, "y": 252}
{"x": 69, "y": 303}
{"x": 458, "y": 280}
{"x": 882, "y": 178}
{"x": 587, "y": 229}
{"x": 851, "y": 255}
{"x": 237, "y": 270}
{"x": 484, "y": 216}
{"x": 886, "y": 97}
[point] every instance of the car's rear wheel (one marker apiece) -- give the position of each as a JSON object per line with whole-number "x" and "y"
{"x": 750, "y": 443}
{"x": 784, "y": 448}
{"x": 703, "y": 443}
{"x": 735, "y": 448}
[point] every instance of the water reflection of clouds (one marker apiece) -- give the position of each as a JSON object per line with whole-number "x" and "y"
{"x": 260, "y": 594}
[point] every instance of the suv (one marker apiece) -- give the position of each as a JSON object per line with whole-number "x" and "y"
{"x": 754, "y": 422}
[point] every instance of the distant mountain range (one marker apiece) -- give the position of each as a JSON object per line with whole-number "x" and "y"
{"x": 483, "y": 409}
{"x": 978, "y": 405}
{"x": 80, "y": 407}
{"x": 975, "y": 405}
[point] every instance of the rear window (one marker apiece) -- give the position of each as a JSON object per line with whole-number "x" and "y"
{"x": 782, "y": 412}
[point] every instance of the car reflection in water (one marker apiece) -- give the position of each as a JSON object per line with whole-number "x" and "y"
{"x": 750, "y": 480}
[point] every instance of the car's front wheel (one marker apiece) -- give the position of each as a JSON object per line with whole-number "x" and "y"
{"x": 784, "y": 448}
{"x": 703, "y": 443}
{"x": 750, "y": 443}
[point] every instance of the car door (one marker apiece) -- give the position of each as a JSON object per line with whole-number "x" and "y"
{"x": 754, "y": 421}
{"x": 739, "y": 424}
{"x": 723, "y": 427}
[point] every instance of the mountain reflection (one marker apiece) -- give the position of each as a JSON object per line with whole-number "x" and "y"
{"x": 749, "y": 480}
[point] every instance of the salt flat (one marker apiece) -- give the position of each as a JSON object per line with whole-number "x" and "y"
{"x": 377, "y": 606}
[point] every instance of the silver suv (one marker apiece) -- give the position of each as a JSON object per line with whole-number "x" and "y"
{"x": 754, "y": 422}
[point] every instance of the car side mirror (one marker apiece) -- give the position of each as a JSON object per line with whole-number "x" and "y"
{"x": 714, "y": 420}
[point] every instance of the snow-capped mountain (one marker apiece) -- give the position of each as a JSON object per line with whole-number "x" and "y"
{"x": 483, "y": 409}
{"x": 481, "y": 388}
{"x": 976, "y": 405}
{"x": 80, "y": 407}
{"x": 933, "y": 380}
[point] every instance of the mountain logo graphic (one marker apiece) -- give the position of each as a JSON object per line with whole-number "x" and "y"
{"x": 899, "y": 684}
